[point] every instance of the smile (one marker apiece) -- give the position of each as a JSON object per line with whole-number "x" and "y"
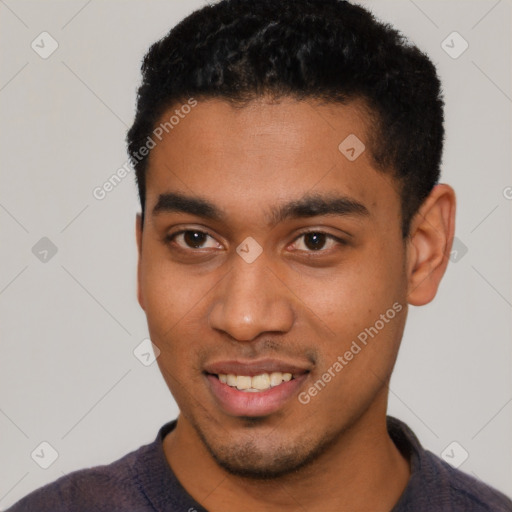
{"x": 255, "y": 384}
{"x": 255, "y": 388}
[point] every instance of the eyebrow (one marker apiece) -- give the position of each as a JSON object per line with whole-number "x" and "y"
{"x": 311, "y": 205}
{"x": 180, "y": 203}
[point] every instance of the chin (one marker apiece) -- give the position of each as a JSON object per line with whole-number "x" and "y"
{"x": 259, "y": 459}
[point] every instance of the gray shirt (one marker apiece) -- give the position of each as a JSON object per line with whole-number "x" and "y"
{"x": 143, "y": 481}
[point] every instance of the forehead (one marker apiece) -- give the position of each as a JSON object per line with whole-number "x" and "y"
{"x": 266, "y": 152}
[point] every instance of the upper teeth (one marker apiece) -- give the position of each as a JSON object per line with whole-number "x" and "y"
{"x": 256, "y": 383}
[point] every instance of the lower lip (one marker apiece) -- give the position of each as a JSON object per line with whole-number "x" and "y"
{"x": 242, "y": 403}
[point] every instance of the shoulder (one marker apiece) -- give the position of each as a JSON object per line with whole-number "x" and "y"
{"x": 436, "y": 485}
{"x": 463, "y": 491}
{"x": 113, "y": 487}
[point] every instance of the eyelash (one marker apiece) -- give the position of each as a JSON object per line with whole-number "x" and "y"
{"x": 328, "y": 237}
{"x": 169, "y": 239}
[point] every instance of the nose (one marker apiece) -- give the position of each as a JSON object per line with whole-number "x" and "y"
{"x": 250, "y": 301}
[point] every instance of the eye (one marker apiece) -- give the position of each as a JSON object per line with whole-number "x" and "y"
{"x": 193, "y": 239}
{"x": 315, "y": 241}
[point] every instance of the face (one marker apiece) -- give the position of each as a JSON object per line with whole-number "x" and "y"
{"x": 269, "y": 258}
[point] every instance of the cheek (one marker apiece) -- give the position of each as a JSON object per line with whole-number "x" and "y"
{"x": 173, "y": 307}
{"x": 362, "y": 307}
{"x": 176, "y": 302}
{"x": 170, "y": 295}
{"x": 354, "y": 294}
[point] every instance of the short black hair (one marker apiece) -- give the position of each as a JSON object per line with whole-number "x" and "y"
{"x": 328, "y": 50}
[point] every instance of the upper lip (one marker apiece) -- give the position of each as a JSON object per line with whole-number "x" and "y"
{"x": 252, "y": 368}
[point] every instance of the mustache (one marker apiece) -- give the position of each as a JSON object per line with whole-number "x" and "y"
{"x": 266, "y": 347}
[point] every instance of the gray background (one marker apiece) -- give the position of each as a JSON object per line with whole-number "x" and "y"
{"x": 68, "y": 375}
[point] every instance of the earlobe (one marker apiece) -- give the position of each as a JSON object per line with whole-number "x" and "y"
{"x": 138, "y": 235}
{"x": 429, "y": 244}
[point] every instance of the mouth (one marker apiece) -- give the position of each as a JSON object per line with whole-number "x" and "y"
{"x": 255, "y": 384}
{"x": 254, "y": 389}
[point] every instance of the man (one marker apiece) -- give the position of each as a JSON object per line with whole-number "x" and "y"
{"x": 287, "y": 158}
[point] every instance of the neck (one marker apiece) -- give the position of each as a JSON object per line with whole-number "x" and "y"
{"x": 362, "y": 470}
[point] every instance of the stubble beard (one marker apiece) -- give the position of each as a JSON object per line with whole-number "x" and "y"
{"x": 245, "y": 458}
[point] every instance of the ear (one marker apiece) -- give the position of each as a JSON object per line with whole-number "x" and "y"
{"x": 138, "y": 234}
{"x": 429, "y": 245}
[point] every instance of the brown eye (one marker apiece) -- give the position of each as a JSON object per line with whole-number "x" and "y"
{"x": 194, "y": 239}
{"x": 315, "y": 241}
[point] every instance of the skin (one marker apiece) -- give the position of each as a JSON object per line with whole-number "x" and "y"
{"x": 307, "y": 306}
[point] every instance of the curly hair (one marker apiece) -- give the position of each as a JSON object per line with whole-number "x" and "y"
{"x": 327, "y": 50}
